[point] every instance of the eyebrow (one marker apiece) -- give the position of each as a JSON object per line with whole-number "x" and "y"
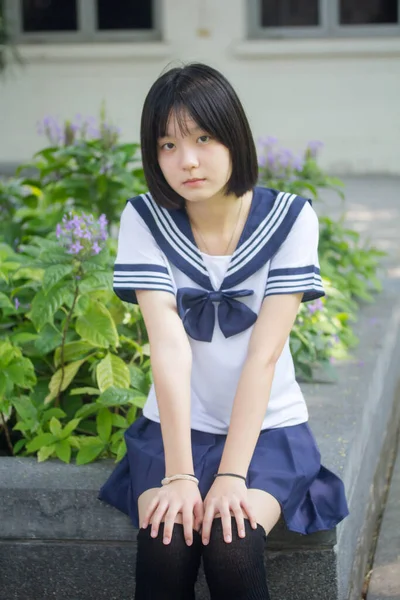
{"x": 190, "y": 131}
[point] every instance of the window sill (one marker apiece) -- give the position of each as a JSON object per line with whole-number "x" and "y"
{"x": 286, "y": 47}
{"x": 103, "y": 52}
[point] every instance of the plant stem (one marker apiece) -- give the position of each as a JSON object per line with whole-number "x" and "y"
{"x": 9, "y": 443}
{"x": 65, "y": 330}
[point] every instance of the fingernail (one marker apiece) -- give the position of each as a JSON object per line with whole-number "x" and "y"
{"x": 166, "y": 540}
{"x": 242, "y": 533}
{"x": 205, "y": 541}
{"x": 153, "y": 533}
{"x": 228, "y": 538}
{"x": 189, "y": 542}
{"x": 144, "y": 525}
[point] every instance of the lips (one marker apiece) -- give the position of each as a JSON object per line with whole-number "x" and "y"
{"x": 194, "y": 180}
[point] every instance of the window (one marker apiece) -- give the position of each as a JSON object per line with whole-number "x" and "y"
{"x": 83, "y": 20}
{"x": 317, "y": 18}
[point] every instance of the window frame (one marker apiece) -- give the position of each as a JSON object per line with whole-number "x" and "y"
{"x": 329, "y": 25}
{"x": 86, "y": 31}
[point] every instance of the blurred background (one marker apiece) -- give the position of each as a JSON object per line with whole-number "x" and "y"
{"x": 305, "y": 69}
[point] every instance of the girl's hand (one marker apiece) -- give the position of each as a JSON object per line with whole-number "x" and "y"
{"x": 180, "y": 496}
{"x": 227, "y": 495}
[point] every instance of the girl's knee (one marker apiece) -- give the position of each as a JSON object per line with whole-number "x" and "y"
{"x": 237, "y": 568}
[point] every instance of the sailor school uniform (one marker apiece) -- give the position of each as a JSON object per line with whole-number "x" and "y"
{"x": 218, "y": 299}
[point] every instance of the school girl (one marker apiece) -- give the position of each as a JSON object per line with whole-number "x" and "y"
{"x": 219, "y": 267}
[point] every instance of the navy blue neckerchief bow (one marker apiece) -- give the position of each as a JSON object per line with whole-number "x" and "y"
{"x": 196, "y": 309}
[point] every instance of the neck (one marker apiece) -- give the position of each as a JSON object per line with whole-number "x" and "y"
{"x": 217, "y": 213}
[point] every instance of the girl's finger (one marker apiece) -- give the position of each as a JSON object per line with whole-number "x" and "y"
{"x": 169, "y": 522}
{"x": 149, "y": 511}
{"x": 225, "y": 513}
{"x": 187, "y": 522}
{"x": 198, "y": 511}
{"x": 238, "y": 514}
{"x": 207, "y": 523}
{"x": 248, "y": 509}
{"x": 157, "y": 518}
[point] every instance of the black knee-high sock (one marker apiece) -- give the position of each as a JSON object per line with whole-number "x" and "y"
{"x": 236, "y": 571}
{"x": 166, "y": 572}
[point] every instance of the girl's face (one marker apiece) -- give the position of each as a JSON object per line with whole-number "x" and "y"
{"x": 194, "y": 164}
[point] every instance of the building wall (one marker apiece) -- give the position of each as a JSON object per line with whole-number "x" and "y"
{"x": 344, "y": 92}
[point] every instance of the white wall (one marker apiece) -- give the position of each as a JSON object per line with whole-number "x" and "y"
{"x": 345, "y": 92}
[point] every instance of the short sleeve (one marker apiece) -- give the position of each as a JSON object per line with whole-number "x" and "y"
{"x": 140, "y": 264}
{"x": 295, "y": 266}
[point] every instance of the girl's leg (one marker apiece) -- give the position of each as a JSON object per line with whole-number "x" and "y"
{"x": 165, "y": 572}
{"x": 237, "y": 570}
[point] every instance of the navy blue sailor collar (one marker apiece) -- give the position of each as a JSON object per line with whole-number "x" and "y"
{"x": 271, "y": 217}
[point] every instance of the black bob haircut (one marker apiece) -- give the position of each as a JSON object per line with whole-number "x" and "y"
{"x": 210, "y": 100}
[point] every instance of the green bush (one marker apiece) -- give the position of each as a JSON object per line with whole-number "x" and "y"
{"x": 74, "y": 359}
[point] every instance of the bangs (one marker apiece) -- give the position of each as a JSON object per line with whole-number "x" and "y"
{"x": 192, "y": 106}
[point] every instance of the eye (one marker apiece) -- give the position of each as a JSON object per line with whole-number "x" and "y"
{"x": 204, "y": 139}
{"x": 167, "y": 146}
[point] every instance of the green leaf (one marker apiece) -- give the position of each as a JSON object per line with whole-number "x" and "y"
{"x": 121, "y": 451}
{"x": 112, "y": 371}
{"x": 100, "y": 280}
{"x": 5, "y": 302}
{"x": 73, "y": 351}
{"x": 22, "y": 373}
{"x": 44, "y": 439}
{"x": 44, "y": 306}
{"x": 52, "y": 412}
{"x": 55, "y": 427}
{"x": 138, "y": 378}
{"x": 88, "y": 454}
{"x": 25, "y": 408}
{"x": 63, "y": 451}
{"x": 23, "y": 338}
{"x": 87, "y": 410}
{"x": 54, "y": 274}
{"x": 69, "y": 373}
{"x": 45, "y": 453}
{"x": 70, "y": 427}
{"x": 104, "y": 424}
{"x": 48, "y": 339}
{"x": 119, "y": 421}
{"x": 19, "y": 445}
{"x": 90, "y": 391}
{"x": 118, "y": 397}
{"x": 97, "y": 327}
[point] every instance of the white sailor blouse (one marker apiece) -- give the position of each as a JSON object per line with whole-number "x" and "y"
{"x": 219, "y": 297}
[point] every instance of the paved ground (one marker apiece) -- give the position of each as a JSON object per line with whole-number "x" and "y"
{"x": 385, "y": 580}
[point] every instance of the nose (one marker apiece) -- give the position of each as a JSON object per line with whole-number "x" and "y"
{"x": 189, "y": 159}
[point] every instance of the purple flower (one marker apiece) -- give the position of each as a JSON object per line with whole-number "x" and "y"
{"x": 96, "y": 248}
{"x": 81, "y": 234}
{"x": 75, "y": 248}
{"x": 313, "y": 147}
{"x": 16, "y": 303}
{"x": 315, "y": 306}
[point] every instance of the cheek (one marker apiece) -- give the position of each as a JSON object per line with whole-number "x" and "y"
{"x": 165, "y": 166}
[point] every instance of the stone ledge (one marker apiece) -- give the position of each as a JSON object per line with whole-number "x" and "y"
{"x": 48, "y": 509}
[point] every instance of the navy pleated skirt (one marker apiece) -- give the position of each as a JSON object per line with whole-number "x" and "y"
{"x": 286, "y": 464}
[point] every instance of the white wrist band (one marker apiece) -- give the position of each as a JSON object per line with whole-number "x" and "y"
{"x": 168, "y": 480}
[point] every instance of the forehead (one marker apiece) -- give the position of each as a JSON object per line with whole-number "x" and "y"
{"x": 180, "y": 124}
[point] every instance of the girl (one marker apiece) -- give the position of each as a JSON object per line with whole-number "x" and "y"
{"x": 219, "y": 267}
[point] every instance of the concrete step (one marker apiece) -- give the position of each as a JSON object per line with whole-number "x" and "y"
{"x": 385, "y": 580}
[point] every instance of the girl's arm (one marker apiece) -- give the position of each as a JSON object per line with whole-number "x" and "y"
{"x": 171, "y": 361}
{"x": 268, "y": 338}
{"x": 227, "y": 494}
